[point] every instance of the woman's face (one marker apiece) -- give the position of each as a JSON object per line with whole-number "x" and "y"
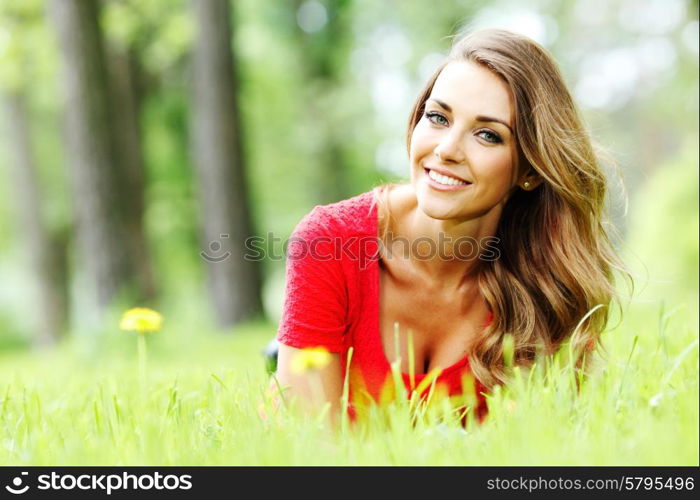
{"x": 463, "y": 161}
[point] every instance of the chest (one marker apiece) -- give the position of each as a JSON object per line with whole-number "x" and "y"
{"x": 438, "y": 326}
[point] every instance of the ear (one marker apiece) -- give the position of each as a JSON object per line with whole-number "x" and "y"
{"x": 530, "y": 180}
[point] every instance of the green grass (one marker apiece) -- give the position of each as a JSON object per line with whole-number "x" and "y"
{"x": 85, "y": 404}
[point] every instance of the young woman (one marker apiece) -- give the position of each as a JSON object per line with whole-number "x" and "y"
{"x": 501, "y": 230}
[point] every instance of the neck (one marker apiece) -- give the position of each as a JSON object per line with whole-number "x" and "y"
{"x": 445, "y": 252}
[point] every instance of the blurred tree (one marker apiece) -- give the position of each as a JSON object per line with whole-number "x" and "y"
{"x": 125, "y": 70}
{"x": 235, "y": 283}
{"x": 149, "y": 44}
{"x": 43, "y": 244}
{"x": 96, "y": 183}
{"x": 323, "y": 36}
{"x": 46, "y": 253}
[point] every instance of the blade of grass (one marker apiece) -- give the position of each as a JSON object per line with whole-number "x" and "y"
{"x": 627, "y": 365}
{"x": 221, "y": 382}
{"x": 411, "y": 360}
{"x": 346, "y": 392}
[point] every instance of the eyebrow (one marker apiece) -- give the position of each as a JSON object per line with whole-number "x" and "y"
{"x": 479, "y": 118}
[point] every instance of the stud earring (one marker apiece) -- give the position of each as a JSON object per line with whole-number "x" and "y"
{"x": 526, "y": 185}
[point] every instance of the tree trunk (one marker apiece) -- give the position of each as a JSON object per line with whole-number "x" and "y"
{"x": 321, "y": 53}
{"x": 92, "y": 161}
{"x": 44, "y": 256}
{"x": 235, "y": 283}
{"x": 125, "y": 72}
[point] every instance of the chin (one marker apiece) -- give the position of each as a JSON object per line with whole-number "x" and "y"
{"x": 436, "y": 208}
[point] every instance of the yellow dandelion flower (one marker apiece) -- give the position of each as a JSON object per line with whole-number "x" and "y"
{"x": 141, "y": 319}
{"x": 313, "y": 358}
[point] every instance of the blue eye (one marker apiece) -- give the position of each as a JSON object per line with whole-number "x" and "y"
{"x": 489, "y": 136}
{"x": 436, "y": 118}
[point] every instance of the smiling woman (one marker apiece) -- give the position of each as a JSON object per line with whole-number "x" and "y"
{"x": 499, "y": 160}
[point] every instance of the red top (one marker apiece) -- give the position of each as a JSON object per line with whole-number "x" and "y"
{"x": 332, "y": 300}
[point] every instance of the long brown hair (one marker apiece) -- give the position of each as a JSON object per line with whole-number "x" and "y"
{"x": 554, "y": 280}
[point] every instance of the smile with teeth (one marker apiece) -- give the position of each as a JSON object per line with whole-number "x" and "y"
{"x": 445, "y": 180}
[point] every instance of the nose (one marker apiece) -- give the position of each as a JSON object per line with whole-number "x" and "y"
{"x": 451, "y": 149}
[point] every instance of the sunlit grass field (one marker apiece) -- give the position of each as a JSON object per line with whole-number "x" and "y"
{"x": 197, "y": 404}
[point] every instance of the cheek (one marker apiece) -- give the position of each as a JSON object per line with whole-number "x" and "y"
{"x": 497, "y": 165}
{"x": 420, "y": 143}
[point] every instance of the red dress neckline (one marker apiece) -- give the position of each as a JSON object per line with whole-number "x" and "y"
{"x": 376, "y": 334}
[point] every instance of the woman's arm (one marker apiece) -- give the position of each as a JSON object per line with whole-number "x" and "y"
{"x": 314, "y": 314}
